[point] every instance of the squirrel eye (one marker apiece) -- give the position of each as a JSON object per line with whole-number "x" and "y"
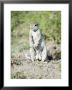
{"x": 35, "y": 24}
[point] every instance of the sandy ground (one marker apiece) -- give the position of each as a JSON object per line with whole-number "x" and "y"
{"x": 23, "y": 68}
